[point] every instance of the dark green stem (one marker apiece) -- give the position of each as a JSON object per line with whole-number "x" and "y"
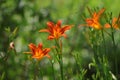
{"x": 95, "y": 47}
{"x": 59, "y": 52}
{"x": 52, "y": 62}
{"x": 104, "y": 42}
{"x": 114, "y": 48}
{"x": 113, "y": 41}
{"x": 61, "y": 66}
{"x": 36, "y": 71}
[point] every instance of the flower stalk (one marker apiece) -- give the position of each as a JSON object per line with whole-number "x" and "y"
{"x": 113, "y": 41}
{"x": 59, "y": 53}
{"x": 104, "y": 44}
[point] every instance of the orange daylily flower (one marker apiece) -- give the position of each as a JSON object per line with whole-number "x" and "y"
{"x": 115, "y": 23}
{"x": 94, "y": 20}
{"x": 38, "y": 52}
{"x": 55, "y": 30}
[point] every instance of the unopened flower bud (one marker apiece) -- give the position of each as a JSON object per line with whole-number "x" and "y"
{"x": 12, "y": 46}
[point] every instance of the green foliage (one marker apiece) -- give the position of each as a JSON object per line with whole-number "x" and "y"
{"x": 88, "y": 54}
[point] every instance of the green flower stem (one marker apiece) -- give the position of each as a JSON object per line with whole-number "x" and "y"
{"x": 114, "y": 45}
{"x": 61, "y": 65}
{"x": 59, "y": 53}
{"x": 114, "y": 48}
{"x": 94, "y": 46}
{"x": 36, "y": 71}
{"x": 52, "y": 62}
{"x": 104, "y": 41}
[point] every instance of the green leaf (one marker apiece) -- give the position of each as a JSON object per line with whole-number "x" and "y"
{"x": 2, "y": 77}
{"x": 15, "y": 31}
{"x": 7, "y": 29}
{"x": 113, "y": 76}
{"x": 90, "y": 65}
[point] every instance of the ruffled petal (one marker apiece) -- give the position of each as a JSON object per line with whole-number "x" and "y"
{"x": 100, "y": 12}
{"x": 37, "y": 57}
{"x": 47, "y": 55}
{"x": 89, "y": 21}
{"x": 44, "y": 30}
{"x": 40, "y": 45}
{"x": 59, "y": 23}
{"x": 46, "y": 50}
{"x": 50, "y": 37}
{"x": 50, "y": 25}
{"x": 64, "y": 35}
{"x": 67, "y": 27}
{"x": 32, "y": 47}
{"x": 107, "y": 25}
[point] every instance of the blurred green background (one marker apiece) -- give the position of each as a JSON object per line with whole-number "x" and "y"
{"x": 28, "y": 17}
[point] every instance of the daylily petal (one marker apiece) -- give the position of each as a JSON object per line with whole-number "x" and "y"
{"x": 89, "y": 21}
{"x": 97, "y": 26}
{"x": 50, "y": 37}
{"x": 37, "y": 52}
{"x": 59, "y": 23}
{"x": 95, "y": 16}
{"x": 32, "y": 47}
{"x": 55, "y": 31}
{"x": 28, "y": 52}
{"x": 115, "y": 24}
{"x": 107, "y": 25}
{"x": 50, "y": 24}
{"x": 64, "y": 35}
{"x": 100, "y": 12}
{"x": 44, "y": 30}
{"x": 37, "y": 57}
{"x": 114, "y": 21}
{"x": 40, "y": 45}
{"x": 47, "y": 55}
{"x": 94, "y": 20}
{"x": 67, "y": 27}
{"x": 46, "y": 50}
